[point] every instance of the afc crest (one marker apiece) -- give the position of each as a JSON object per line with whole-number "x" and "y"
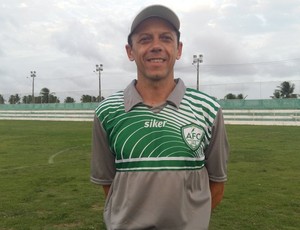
{"x": 192, "y": 135}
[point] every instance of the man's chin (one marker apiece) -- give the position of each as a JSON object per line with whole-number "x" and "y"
{"x": 156, "y": 77}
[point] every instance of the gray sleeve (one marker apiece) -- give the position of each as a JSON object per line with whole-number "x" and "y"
{"x": 102, "y": 162}
{"x": 217, "y": 152}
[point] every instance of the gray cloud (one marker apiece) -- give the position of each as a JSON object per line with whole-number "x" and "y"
{"x": 242, "y": 41}
{"x": 77, "y": 39}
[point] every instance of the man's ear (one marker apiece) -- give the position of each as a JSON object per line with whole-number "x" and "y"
{"x": 179, "y": 50}
{"x": 129, "y": 52}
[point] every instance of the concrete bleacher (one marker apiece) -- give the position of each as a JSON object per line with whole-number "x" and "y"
{"x": 252, "y": 112}
{"x": 50, "y": 112}
{"x": 47, "y": 115}
{"x": 262, "y": 112}
{"x": 262, "y": 117}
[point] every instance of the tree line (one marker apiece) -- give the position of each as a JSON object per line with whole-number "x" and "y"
{"x": 45, "y": 97}
{"x": 284, "y": 90}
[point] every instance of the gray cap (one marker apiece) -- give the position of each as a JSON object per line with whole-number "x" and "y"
{"x": 156, "y": 11}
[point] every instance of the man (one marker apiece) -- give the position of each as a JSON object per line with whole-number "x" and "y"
{"x": 159, "y": 149}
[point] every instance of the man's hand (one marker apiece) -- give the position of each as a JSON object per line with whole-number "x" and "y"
{"x": 217, "y": 192}
{"x": 106, "y": 189}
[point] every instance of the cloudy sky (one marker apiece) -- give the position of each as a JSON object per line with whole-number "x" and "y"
{"x": 249, "y": 46}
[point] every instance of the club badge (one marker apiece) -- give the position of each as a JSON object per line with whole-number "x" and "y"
{"x": 192, "y": 135}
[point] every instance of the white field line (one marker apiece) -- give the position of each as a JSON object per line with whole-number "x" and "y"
{"x": 16, "y": 168}
{"x": 51, "y": 158}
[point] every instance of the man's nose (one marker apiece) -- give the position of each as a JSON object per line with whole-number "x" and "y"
{"x": 156, "y": 46}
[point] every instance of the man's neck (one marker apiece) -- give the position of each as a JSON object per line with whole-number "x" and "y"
{"x": 155, "y": 92}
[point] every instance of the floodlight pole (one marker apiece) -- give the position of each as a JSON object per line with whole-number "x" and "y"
{"x": 196, "y": 61}
{"x": 99, "y": 68}
{"x": 33, "y": 75}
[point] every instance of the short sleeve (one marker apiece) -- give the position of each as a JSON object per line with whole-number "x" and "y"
{"x": 217, "y": 152}
{"x": 102, "y": 161}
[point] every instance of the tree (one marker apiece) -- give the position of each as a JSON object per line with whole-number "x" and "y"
{"x": 284, "y": 90}
{"x": 88, "y": 98}
{"x": 14, "y": 99}
{"x": 69, "y": 100}
{"x": 102, "y": 98}
{"x": 233, "y": 96}
{"x": 2, "y": 101}
{"x": 230, "y": 96}
{"x": 27, "y": 99}
{"x": 38, "y": 100}
{"x": 240, "y": 96}
{"x": 47, "y": 97}
{"x": 53, "y": 99}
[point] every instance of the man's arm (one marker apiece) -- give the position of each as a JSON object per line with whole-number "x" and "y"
{"x": 102, "y": 160}
{"x": 217, "y": 155}
{"x": 217, "y": 192}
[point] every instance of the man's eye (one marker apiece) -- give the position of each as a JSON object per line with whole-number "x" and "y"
{"x": 144, "y": 39}
{"x": 166, "y": 38}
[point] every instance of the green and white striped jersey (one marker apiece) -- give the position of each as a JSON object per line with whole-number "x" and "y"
{"x": 173, "y": 139}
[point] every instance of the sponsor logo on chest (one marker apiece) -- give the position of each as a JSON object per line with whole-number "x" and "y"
{"x": 153, "y": 123}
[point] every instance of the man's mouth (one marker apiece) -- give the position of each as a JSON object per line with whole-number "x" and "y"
{"x": 156, "y": 60}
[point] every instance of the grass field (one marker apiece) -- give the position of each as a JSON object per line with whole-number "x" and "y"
{"x": 44, "y": 178}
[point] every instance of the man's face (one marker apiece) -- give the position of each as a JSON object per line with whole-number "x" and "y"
{"x": 154, "y": 49}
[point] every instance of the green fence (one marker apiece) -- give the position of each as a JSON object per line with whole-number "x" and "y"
{"x": 278, "y": 104}
{"x": 51, "y": 106}
{"x": 226, "y": 104}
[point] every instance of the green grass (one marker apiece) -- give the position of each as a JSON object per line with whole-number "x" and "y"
{"x": 263, "y": 189}
{"x": 36, "y": 194}
{"x": 45, "y": 166}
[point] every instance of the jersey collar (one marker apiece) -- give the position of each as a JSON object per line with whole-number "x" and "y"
{"x": 133, "y": 98}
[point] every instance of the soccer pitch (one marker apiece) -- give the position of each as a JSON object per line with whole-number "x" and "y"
{"x": 45, "y": 166}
